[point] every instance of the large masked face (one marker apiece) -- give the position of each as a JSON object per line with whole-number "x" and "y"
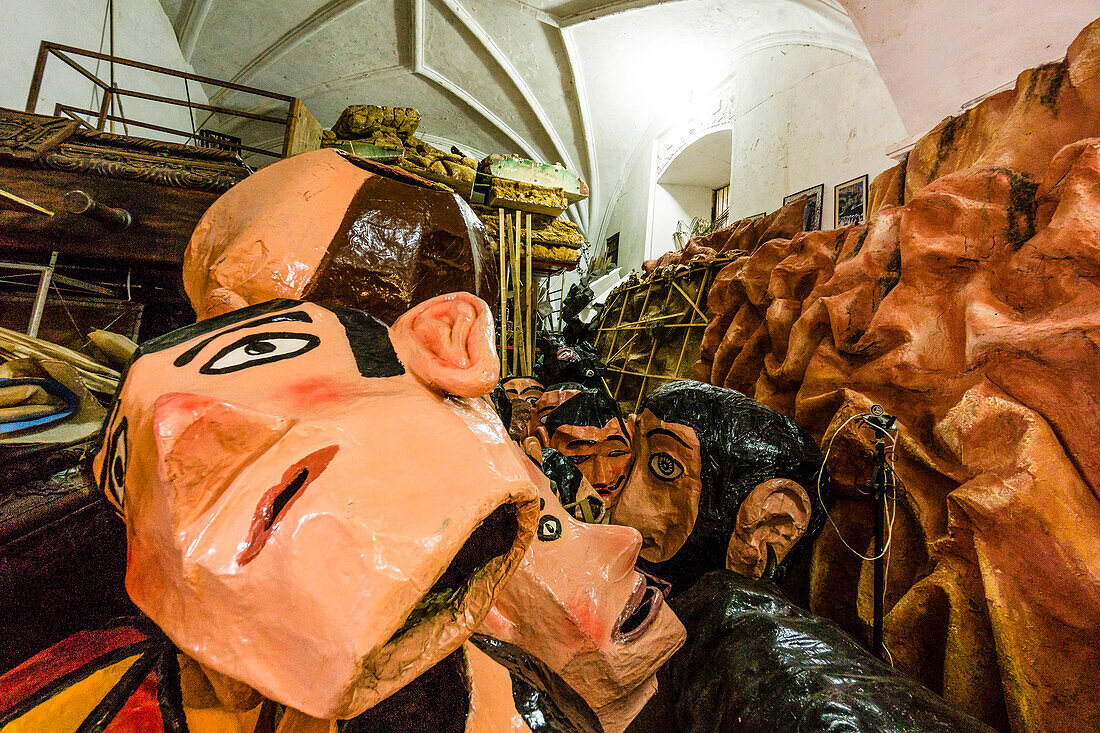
{"x": 312, "y": 506}
{"x": 577, "y": 603}
{"x": 661, "y": 496}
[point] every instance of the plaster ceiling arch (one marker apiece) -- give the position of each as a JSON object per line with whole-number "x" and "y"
{"x": 556, "y": 80}
{"x": 704, "y": 161}
{"x": 660, "y": 127}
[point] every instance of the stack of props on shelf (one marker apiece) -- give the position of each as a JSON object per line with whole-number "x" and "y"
{"x": 564, "y": 360}
{"x": 336, "y": 230}
{"x": 722, "y": 483}
{"x": 46, "y": 389}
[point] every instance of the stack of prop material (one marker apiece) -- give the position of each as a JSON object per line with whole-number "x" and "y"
{"x": 46, "y": 389}
{"x": 551, "y": 239}
{"x": 386, "y": 134}
{"x": 544, "y": 191}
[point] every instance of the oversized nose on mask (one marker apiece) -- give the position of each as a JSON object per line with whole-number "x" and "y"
{"x": 621, "y": 545}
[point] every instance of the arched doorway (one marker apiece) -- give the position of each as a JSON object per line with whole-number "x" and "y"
{"x": 685, "y": 189}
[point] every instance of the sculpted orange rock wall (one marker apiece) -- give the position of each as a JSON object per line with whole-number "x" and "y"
{"x": 973, "y": 313}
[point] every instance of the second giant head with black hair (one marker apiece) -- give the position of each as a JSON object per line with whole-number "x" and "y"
{"x": 719, "y": 480}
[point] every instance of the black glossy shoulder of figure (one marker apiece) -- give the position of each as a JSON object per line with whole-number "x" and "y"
{"x": 754, "y": 662}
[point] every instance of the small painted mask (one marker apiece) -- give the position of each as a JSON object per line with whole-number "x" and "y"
{"x": 588, "y": 430}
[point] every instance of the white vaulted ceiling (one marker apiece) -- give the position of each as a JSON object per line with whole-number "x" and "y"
{"x": 581, "y": 82}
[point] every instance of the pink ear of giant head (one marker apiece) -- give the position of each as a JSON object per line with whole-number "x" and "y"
{"x": 447, "y": 342}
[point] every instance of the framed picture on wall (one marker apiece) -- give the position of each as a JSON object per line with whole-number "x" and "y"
{"x": 850, "y": 202}
{"x": 816, "y": 193}
{"x": 754, "y": 217}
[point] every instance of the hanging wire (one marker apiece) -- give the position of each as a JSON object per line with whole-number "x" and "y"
{"x": 102, "y": 38}
{"x": 190, "y": 109}
{"x": 889, "y": 503}
{"x": 893, "y": 494}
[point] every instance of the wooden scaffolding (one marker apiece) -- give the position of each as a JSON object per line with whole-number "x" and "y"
{"x": 651, "y": 331}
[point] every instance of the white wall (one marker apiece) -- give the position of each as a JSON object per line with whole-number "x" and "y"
{"x": 829, "y": 122}
{"x": 142, "y": 32}
{"x": 937, "y": 55}
{"x": 801, "y": 115}
{"x": 674, "y": 203}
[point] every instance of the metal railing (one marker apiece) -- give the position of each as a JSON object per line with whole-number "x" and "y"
{"x": 112, "y": 93}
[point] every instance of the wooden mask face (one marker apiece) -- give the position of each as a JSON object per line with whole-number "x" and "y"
{"x": 310, "y": 508}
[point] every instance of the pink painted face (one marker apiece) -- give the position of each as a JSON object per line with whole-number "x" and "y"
{"x": 577, "y": 603}
{"x": 317, "y": 506}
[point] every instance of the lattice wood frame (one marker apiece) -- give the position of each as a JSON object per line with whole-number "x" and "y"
{"x": 680, "y": 319}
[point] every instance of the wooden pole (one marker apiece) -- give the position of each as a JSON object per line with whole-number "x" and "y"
{"x": 503, "y": 296}
{"x": 517, "y": 303}
{"x": 530, "y": 292}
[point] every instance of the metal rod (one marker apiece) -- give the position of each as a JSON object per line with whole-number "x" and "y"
{"x": 55, "y": 47}
{"x": 82, "y": 71}
{"x": 111, "y": 49}
{"x": 198, "y": 105}
{"x": 104, "y": 109}
{"x": 40, "y": 297}
{"x": 36, "y": 77}
{"x": 878, "y": 494}
{"x": 170, "y": 130}
{"x": 71, "y": 112}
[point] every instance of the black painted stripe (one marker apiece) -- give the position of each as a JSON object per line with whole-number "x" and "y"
{"x": 103, "y": 713}
{"x": 67, "y": 680}
{"x": 169, "y": 692}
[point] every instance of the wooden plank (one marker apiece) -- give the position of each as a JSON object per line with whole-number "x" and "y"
{"x": 303, "y": 131}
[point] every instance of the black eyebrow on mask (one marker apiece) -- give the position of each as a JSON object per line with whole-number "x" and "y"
{"x": 186, "y": 357}
{"x": 214, "y": 324}
{"x": 619, "y": 438}
{"x": 532, "y": 387}
{"x": 669, "y": 433}
{"x": 579, "y": 441}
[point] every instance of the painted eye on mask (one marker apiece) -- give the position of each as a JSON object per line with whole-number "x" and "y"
{"x": 259, "y": 348}
{"x": 114, "y": 465}
{"x": 549, "y": 528}
{"x": 665, "y": 467}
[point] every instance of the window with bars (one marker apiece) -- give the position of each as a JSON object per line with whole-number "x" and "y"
{"x": 720, "y": 202}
